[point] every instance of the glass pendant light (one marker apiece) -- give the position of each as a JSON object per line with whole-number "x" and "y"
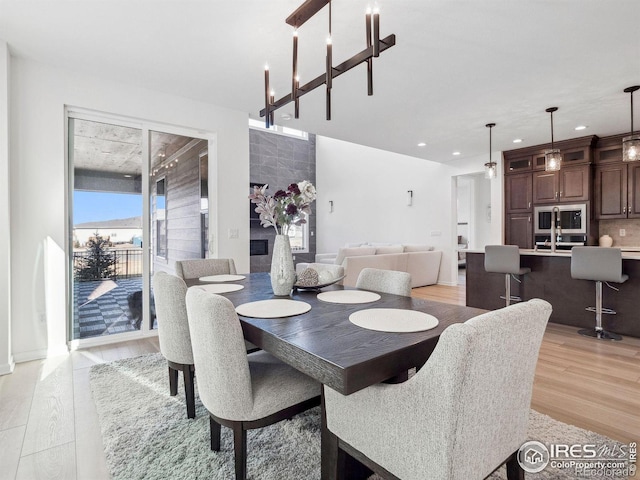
{"x": 490, "y": 168}
{"x": 552, "y": 157}
{"x": 631, "y": 144}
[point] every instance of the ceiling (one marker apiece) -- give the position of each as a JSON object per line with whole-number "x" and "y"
{"x": 456, "y": 66}
{"x": 103, "y": 147}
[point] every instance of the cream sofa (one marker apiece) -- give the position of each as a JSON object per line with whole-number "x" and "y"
{"x": 421, "y": 261}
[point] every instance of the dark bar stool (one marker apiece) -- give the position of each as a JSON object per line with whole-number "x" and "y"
{"x": 598, "y": 264}
{"x": 505, "y": 259}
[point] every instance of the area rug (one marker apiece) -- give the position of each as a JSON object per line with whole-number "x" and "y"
{"x": 146, "y": 434}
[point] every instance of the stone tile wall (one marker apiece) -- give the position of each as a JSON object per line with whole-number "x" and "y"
{"x": 279, "y": 161}
{"x": 612, "y": 228}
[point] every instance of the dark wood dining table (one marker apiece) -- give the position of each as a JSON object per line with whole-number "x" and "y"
{"x": 325, "y": 345}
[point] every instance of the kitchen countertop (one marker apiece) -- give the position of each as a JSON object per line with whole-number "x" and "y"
{"x": 631, "y": 253}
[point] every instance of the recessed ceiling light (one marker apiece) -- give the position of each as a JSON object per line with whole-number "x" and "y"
{"x": 286, "y": 116}
{"x": 422, "y": 144}
{"x": 580, "y": 127}
{"x": 128, "y": 176}
{"x": 456, "y": 153}
{"x": 517, "y": 140}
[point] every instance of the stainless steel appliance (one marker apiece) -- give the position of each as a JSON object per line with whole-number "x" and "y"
{"x": 571, "y": 219}
{"x": 560, "y": 227}
{"x": 563, "y": 242}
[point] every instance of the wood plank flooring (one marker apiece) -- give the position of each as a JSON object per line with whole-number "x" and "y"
{"x": 49, "y": 426}
{"x": 590, "y": 383}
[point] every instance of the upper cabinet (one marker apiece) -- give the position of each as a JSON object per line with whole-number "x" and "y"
{"x": 572, "y": 183}
{"x": 518, "y": 190}
{"x": 567, "y": 185}
{"x": 617, "y": 184}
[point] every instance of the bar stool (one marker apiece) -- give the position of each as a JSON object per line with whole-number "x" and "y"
{"x": 598, "y": 264}
{"x": 505, "y": 259}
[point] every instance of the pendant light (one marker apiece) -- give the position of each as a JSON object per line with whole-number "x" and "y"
{"x": 552, "y": 157}
{"x": 490, "y": 168}
{"x": 631, "y": 144}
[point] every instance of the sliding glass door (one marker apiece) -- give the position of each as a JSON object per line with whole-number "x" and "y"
{"x": 138, "y": 202}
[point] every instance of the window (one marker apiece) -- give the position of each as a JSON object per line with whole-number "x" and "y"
{"x": 299, "y": 237}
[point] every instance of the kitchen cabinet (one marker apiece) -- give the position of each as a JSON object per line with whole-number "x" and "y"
{"x": 617, "y": 190}
{"x": 567, "y": 185}
{"x": 519, "y": 230}
{"x": 518, "y": 190}
{"x": 580, "y": 155}
{"x": 518, "y": 163}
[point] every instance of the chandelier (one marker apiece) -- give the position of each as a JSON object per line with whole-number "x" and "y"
{"x": 375, "y": 46}
{"x": 552, "y": 156}
{"x": 631, "y": 143}
{"x": 491, "y": 167}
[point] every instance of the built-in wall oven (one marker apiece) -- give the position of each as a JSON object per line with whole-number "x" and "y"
{"x": 570, "y": 229}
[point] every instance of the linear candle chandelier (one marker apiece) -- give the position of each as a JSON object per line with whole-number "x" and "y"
{"x": 375, "y": 45}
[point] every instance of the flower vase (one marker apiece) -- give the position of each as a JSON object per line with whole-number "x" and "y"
{"x": 283, "y": 275}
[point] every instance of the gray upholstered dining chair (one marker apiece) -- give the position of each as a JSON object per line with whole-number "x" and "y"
{"x": 385, "y": 281}
{"x": 173, "y": 334}
{"x": 241, "y": 391}
{"x": 462, "y": 415}
{"x": 200, "y": 267}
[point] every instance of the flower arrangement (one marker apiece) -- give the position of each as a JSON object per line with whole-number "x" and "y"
{"x": 285, "y": 207}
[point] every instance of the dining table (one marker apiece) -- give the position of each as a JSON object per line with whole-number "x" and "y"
{"x": 324, "y": 344}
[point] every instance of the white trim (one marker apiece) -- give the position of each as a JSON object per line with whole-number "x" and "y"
{"x": 146, "y": 128}
{"x": 448, "y": 284}
{"x": 41, "y": 353}
{"x": 7, "y": 368}
{"x": 111, "y": 339}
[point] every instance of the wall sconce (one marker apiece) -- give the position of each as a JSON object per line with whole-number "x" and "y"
{"x": 330, "y": 206}
{"x": 409, "y": 197}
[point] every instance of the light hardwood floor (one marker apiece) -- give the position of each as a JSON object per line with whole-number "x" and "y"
{"x": 590, "y": 383}
{"x": 49, "y": 427}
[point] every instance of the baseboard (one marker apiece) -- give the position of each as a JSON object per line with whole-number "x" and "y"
{"x": 7, "y": 368}
{"x": 41, "y": 354}
{"x": 110, "y": 339}
{"x": 448, "y": 284}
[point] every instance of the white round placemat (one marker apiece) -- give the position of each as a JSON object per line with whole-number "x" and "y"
{"x": 274, "y": 308}
{"x": 221, "y": 287}
{"x": 348, "y": 296}
{"x": 393, "y": 320}
{"x": 222, "y": 278}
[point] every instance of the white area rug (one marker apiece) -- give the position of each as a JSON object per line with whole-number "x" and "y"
{"x": 147, "y": 435}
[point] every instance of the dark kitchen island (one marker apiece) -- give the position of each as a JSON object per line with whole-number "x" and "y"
{"x": 550, "y": 279}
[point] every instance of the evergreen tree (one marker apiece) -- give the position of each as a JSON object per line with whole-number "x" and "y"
{"x": 99, "y": 263}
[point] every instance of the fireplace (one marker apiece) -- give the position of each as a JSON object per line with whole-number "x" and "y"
{"x": 259, "y": 247}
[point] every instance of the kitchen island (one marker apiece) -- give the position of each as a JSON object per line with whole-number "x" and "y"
{"x": 550, "y": 279}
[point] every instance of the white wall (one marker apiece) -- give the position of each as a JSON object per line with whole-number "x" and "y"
{"x": 368, "y": 188}
{"x": 483, "y": 211}
{"x": 38, "y": 97}
{"x": 6, "y": 358}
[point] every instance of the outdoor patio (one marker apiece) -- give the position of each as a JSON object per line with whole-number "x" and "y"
{"x": 103, "y": 307}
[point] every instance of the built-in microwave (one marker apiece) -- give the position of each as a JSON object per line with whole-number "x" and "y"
{"x": 571, "y": 219}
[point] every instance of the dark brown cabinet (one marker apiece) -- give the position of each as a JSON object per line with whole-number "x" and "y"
{"x": 569, "y": 184}
{"x": 518, "y": 193}
{"x": 519, "y": 163}
{"x": 617, "y": 193}
{"x": 519, "y": 230}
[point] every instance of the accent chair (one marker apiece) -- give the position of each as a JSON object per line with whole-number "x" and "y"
{"x": 461, "y": 416}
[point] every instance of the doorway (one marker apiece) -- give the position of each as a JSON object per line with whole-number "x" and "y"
{"x": 138, "y": 202}
{"x": 473, "y": 217}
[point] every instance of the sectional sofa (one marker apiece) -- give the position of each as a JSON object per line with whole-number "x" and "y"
{"x": 421, "y": 261}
